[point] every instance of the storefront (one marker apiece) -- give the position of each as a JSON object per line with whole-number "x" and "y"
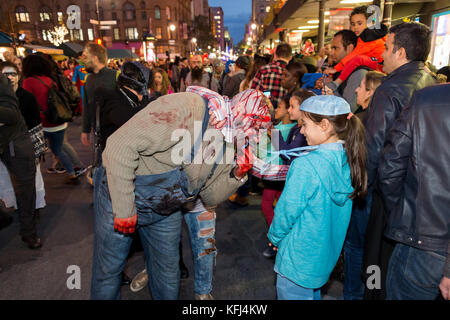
{"x": 440, "y": 45}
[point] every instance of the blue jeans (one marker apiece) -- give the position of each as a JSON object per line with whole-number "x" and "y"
{"x": 201, "y": 225}
{"x": 160, "y": 236}
{"x": 288, "y": 290}
{"x": 56, "y": 140}
{"x": 354, "y": 249}
{"x": 414, "y": 274}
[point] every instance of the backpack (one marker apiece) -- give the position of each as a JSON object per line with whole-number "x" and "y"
{"x": 70, "y": 91}
{"x": 58, "y": 108}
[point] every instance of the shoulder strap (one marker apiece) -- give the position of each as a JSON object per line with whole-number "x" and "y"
{"x": 196, "y": 146}
{"x": 42, "y": 82}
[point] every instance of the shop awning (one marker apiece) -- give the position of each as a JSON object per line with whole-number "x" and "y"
{"x": 71, "y": 49}
{"x": 43, "y": 49}
{"x": 120, "y": 54}
{"x": 5, "y": 38}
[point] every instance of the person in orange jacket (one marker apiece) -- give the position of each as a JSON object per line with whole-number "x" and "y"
{"x": 369, "y": 48}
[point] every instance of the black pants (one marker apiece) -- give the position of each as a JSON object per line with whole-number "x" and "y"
{"x": 19, "y": 159}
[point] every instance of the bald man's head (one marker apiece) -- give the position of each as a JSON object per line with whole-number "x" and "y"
{"x": 196, "y": 61}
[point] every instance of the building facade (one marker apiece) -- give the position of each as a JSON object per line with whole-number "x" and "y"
{"x": 260, "y": 8}
{"x": 201, "y": 8}
{"x": 218, "y": 30}
{"x": 168, "y": 20}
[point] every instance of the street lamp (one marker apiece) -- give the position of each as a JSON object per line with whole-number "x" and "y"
{"x": 253, "y": 26}
{"x": 172, "y": 27}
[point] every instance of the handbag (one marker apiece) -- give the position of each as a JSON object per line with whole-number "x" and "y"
{"x": 38, "y": 140}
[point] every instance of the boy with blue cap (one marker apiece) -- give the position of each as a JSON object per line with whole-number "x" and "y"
{"x": 313, "y": 212}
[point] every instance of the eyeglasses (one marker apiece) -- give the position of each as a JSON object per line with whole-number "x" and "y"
{"x": 7, "y": 74}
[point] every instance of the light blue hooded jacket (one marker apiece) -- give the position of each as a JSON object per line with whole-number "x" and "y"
{"x": 312, "y": 216}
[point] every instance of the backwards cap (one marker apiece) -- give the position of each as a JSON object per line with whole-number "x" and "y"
{"x": 326, "y": 105}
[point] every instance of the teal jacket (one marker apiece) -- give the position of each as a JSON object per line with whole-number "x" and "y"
{"x": 312, "y": 216}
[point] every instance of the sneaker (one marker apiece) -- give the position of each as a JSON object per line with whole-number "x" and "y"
{"x": 60, "y": 170}
{"x": 269, "y": 253}
{"x": 79, "y": 171}
{"x": 51, "y": 170}
{"x": 206, "y": 296}
{"x": 33, "y": 241}
{"x": 139, "y": 281}
{"x": 239, "y": 200}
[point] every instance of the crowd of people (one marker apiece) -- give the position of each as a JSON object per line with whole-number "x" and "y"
{"x": 355, "y": 167}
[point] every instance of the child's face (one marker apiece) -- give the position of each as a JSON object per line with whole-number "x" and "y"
{"x": 363, "y": 95}
{"x": 281, "y": 111}
{"x": 358, "y": 23}
{"x": 315, "y": 133}
{"x": 158, "y": 78}
{"x": 294, "y": 110}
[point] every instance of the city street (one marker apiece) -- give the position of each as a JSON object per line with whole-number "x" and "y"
{"x": 66, "y": 230}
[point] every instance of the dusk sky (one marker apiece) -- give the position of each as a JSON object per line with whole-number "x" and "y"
{"x": 236, "y": 15}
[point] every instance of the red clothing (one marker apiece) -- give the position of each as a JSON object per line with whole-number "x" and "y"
{"x": 357, "y": 61}
{"x": 69, "y": 74}
{"x": 40, "y": 92}
{"x": 373, "y": 49}
{"x": 267, "y": 207}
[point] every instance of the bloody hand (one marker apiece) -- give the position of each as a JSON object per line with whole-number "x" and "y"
{"x": 244, "y": 163}
{"x": 125, "y": 225}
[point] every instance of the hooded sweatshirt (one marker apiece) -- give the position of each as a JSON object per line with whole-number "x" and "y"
{"x": 370, "y": 43}
{"x": 312, "y": 216}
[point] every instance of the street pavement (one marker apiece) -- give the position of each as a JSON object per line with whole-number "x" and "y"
{"x": 66, "y": 230}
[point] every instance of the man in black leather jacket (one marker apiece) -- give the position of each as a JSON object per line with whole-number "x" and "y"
{"x": 414, "y": 179}
{"x": 16, "y": 152}
{"x": 407, "y": 48}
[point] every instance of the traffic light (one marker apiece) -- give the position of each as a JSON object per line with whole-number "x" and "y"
{"x": 99, "y": 41}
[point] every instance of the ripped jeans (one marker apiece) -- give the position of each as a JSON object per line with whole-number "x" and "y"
{"x": 201, "y": 224}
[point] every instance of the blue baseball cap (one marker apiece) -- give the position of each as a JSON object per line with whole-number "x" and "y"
{"x": 326, "y": 105}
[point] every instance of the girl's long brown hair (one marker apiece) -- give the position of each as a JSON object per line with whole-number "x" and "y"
{"x": 352, "y": 132}
{"x": 165, "y": 81}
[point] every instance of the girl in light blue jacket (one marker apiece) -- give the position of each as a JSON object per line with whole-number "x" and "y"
{"x": 313, "y": 212}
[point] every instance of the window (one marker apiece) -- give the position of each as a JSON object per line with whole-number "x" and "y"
{"x": 45, "y": 14}
{"x": 142, "y": 4}
{"x": 90, "y": 34}
{"x": 129, "y": 11}
{"x": 144, "y": 15}
{"x": 131, "y": 33}
{"x": 158, "y": 33}
{"x": 60, "y": 16}
{"x": 76, "y": 34}
{"x": 116, "y": 34}
{"x": 114, "y": 15}
{"x": 157, "y": 13}
{"x": 101, "y": 14}
{"x": 175, "y": 14}
{"x": 44, "y": 35}
{"x": 22, "y": 14}
{"x": 168, "y": 13}
{"x": 113, "y": 5}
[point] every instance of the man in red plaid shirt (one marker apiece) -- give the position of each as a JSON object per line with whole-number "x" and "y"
{"x": 268, "y": 77}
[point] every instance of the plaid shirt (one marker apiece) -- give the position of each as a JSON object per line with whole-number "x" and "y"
{"x": 268, "y": 78}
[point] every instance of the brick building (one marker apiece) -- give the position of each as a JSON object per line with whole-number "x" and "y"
{"x": 168, "y": 20}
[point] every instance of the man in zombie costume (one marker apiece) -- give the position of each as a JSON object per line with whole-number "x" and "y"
{"x": 144, "y": 186}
